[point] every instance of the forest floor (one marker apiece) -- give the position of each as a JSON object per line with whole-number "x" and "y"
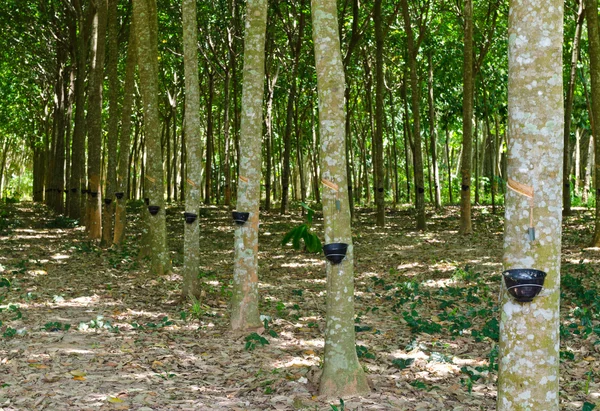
{"x": 85, "y": 328}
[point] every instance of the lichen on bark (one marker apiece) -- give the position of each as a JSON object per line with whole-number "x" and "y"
{"x": 529, "y": 332}
{"x": 342, "y": 373}
{"x": 193, "y": 144}
{"x": 146, "y": 29}
{"x": 244, "y": 300}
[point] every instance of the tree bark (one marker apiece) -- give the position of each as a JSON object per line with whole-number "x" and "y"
{"x": 124, "y": 138}
{"x": 244, "y": 300}
{"x": 591, "y": 15}
{"x": 413, "y": 51}
{"x": 342, "y": 373}
{"x": 194, "y": 149}
{"x": 468, "y": 85}
{"x": 528, "y": 376}
{"x": 433, "y": 136}
{"x": 113, "y": 123}
{"x": 147, "y": 47}
{"x": 569, "y": 111}
{"x": 379, "y": 116}
{"x": 94, "y": 120}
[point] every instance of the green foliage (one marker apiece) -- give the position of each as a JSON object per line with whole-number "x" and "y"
{"x": 420, "y": 385}
{"x": 491, "y": 330}
{"x": 312, "y": 243}
{"x": 253, "y": 340}
{"x": 465, "y": 274}
{"x": 341, "y": 406}
{"x": 363, "y": 352}
{"x": 56, "y": 326}
{"x": 419, "y": 325}
{"x": 9, "y": 332}
{"x": 402, "y": 363}
{"x": 62, "y": 222}
{"x": 588, "y": 406}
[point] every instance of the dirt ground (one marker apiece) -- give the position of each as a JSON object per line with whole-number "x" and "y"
{"x": 85, "y": 328}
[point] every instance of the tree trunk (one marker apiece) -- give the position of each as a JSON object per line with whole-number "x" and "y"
{"x": 244, "y": 299}
{"x": 194, "y": 149}
{"x": 528, "y": 376}
{"x": 271, "y": 82}
{"x": 209, "y": 137}
{"x": 468, "y": 85}
{"x": 342, "y": 373}
{"x": 433, "y": 136}
{"x": 449, "y": 165}
{"x": 407, "y": 138}
{"x": 296, "y": 48}
{"x": 394, "y": 151}
{"x": 94, "y": 120}
{"x": 124, "y": 138}
{"x": 416, "y": 107}
{"x": 147, "y": 46}
{"x": 113, "y": 123}
{"x": 591, "y": 14}
{"x": 569, "y": 111}
{"x": 379, "y": 116}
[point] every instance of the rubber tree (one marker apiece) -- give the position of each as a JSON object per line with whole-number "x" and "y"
{"x": 342, "y": 373}
{"x": 244, "y": 300}
{"x": 78, "y": 145}
{"x": 94, "y": 121}
{"x": 591, "y": 17}
{"x": 529, "y": 332}
{"x": 193, "y": 144}
{"x": 113, "y": 122}
{"x": 124, "y": 138}
{"x": 413, "y": 44}
{"x": 468, "y": 103}
{"x": 569, "y": 98}
{"x": 146, "y": 24}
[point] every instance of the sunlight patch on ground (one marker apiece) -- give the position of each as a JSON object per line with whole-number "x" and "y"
{"x": 59, "y": 257}
{"x": 407, "y": 266}
{"x": 295, "y": 362}
{"x": 315, "y": 280}
{"x": 306, "y": 263}
{"x": 444, "y": 282}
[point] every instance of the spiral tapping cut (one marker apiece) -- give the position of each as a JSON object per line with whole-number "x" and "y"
{"x": 526, "y": 191}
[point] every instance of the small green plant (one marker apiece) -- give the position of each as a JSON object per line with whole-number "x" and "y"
{"x": 340, "y": 407}
{"x": 491, "y": 329}
{"x": 166, "y": 375}
{"x": 419, "y": 325}
{"x": 253, "y": 340}
{"x": 196, "y": 310}
{"x": 56, "y": 326}
{"x": 312, "y": 244}
{"x": 363, "y": 352}
{"x": 588, "y": 406}
{"x": 268, "y": 328}
{"x": 472, "y": 376}
{"x": 62, "y": 222}
{"x": 16, "y": 311}
{"x": 99, "y": 323}
{"x": 589, "y": 378}
{"x": 280, "y": 307}
{"x": 465, "y": 274}
{"x": 9, "y": 332}
{"x": 420, "y": 385}
{"x": 402, "y": 363}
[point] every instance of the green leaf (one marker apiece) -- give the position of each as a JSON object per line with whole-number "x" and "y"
{"x": 287, "y": 237}
{"x": 588, "y": 406}
{"x": 298, "y": 235}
